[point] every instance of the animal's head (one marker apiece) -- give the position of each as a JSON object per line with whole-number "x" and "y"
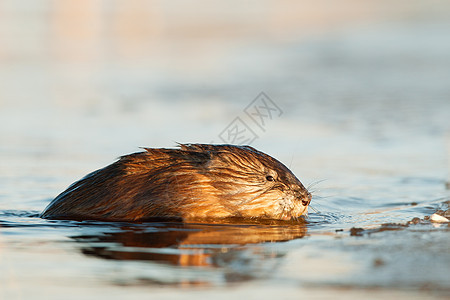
{"x": 251, "y": 183}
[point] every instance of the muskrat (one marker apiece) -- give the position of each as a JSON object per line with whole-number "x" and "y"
{"x": 191, "y": 183}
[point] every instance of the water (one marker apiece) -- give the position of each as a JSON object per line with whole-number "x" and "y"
{"x": 364, "y": 120}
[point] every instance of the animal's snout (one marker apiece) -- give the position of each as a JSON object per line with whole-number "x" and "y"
{"x": 306, "y": 198}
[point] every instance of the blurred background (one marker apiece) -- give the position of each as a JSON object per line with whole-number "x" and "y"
{"x": 82, "y": 82}
{"x": 359, "y": 91}
{"x": 86, "y": 81}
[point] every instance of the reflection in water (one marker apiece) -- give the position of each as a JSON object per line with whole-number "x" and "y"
{"x": 233, "y": 252}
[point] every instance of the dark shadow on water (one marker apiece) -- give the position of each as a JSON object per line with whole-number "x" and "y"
{"x": 201, "y": 254}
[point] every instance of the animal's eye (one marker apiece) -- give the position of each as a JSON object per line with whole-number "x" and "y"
{"x": 270, "y": 178}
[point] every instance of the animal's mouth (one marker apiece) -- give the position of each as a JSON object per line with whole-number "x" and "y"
{"x": 293, "y": 216}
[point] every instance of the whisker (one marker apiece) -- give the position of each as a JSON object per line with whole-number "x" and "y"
{"x": 313, "y": 192}
{"x": 292, "y": 159}
{"x": 315, "y": 183}
{"x": 316, "y": 211}
{"x": 317, "y": 197}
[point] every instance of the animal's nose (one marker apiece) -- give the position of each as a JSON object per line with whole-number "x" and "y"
{"x": 305, "y": 202}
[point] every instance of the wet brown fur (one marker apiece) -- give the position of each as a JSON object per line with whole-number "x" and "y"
{"x": 192, "y": 182}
